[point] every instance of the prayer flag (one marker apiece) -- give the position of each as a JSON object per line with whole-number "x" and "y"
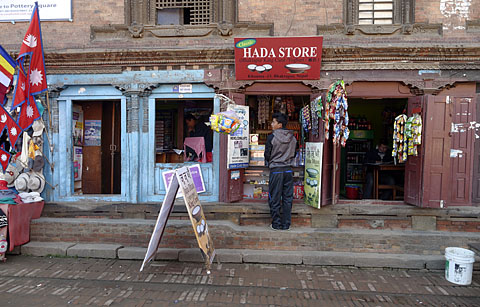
{"x": 32, "y": 44}
{"x": 7, "y": 69}
{"x": 20, "y": 93}
{"x": 28, "y": 114}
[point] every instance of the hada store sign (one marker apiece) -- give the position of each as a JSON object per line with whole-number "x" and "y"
{"x": 278, "y": 58}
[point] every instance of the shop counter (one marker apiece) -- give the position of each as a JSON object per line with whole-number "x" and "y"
{"x": 19, "y": 217}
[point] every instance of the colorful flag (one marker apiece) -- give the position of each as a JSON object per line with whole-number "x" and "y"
{"x": 20, "y": 93}
{"x": 28, "y": 114}
{"x": 7, "y": 70}
{"x": 32, "y": 44}
{"x": 13, "y": 128}
{"x": 4, "y": 159}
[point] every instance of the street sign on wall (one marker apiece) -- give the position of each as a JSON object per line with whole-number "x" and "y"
{"x": 21, "y": 10}
{"x": 278, "y": 58}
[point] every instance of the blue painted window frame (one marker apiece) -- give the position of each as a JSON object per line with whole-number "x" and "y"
{"x": 199, "y": 91}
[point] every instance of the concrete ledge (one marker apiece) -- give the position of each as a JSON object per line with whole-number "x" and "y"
{"x": 328, "y": 258}
{"x": 229, "y": 255}
{"x": 138, "y": 253}
{"x": 398, "y": 261}
{"x": 167, "y": 254}
{"x": 323, "y": 258}
{"x": 108, "y": 251}
{"x": 277, "y": 257}
{"x": 132, "y": 253}
{"x": 190, "y": 255}
{"x": 41, "y": 249}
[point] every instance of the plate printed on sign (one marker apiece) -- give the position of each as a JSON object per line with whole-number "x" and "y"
{"x": 252, "y": 67}
{"x": 297, "y": 68}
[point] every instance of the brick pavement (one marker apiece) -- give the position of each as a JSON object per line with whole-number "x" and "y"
{"x": 44, "y": 281}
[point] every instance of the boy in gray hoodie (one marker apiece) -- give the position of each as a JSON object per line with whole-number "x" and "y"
{"x": 279, "y": 155}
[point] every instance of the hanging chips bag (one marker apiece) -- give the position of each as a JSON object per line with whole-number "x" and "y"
{"x": 225, "y": 122}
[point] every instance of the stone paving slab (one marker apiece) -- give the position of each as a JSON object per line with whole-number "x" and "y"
{"x": 108, "y": 251}
{"x": 278, "y": 257}
{"x": 138, "y": 253}
{"x": 46, "y": 248}
{"x": 229, "y": 255}
{"x": 40, "y": 281}
{"x": 397, "y": 261}
{"x": 318, "y": 258}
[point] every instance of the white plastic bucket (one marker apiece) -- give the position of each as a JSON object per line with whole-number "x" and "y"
{"x": 459, "y": 265}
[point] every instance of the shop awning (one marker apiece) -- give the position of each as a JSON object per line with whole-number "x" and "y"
{"x": 278, "y": 88}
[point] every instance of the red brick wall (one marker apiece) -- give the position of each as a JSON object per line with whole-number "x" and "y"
{"x": 59, "y": 36}
{"x": 451, "y": 13}
{"x": 306, "y": 15}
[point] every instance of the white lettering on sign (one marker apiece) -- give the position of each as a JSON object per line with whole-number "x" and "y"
{"x": 295, "y": 52}
{"x": 185, "y": 88}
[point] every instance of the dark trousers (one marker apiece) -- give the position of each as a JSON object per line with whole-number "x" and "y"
{"x": 280, "y": 190}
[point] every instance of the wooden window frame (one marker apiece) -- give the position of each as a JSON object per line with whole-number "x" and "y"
{"x": 144, "y": 12}
{"x": 403, "y": 12}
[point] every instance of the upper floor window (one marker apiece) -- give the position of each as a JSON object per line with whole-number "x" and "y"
{"x": 379, "y": 12}
{"x": 375, "y": 12}
{"x": 184, "y": 12}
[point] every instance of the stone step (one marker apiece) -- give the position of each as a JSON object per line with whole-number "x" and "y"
{"x": 228, "y": 235}
{"x": 322, "y": 258}
{"x": 365, "y": 214}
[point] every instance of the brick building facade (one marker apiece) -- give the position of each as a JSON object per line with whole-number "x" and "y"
{"x": 424, "y": 52}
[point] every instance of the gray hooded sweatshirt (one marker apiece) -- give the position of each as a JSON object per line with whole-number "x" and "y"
{"x": 280, "y": 148}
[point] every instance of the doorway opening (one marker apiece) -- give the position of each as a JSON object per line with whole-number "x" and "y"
{"x": 96, "y": 147}
{"x": 367, "y": 168}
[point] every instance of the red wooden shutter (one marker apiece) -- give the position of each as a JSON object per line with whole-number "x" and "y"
{"x": 413, "y": 166}
{"x": 476, "y": 160}
{"x": 436, "y": 167}
{"x": 462, "y": 150}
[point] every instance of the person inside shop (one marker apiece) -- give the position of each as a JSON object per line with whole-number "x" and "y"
{"x": 279, "y": 157}
{"x": 380, "y": 154}
{"x": 196, "y": 128}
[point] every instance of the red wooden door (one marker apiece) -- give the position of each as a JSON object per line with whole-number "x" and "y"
{"x": 436, "y": 167}
{"x": 476, "y": 160}
{"x": 413, "y": 166}
{"x": 231, "y": 181}
{"x": 92, "y": 155}
{"x": 328, "y": 178}
{"x": 462, "y": 150}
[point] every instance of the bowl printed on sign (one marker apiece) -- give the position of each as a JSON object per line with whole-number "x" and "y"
{"x": 312, "y": 172}
{"x": 297, "y": 68}
{"x": 252, "y": 67}
{"x": 267, "y": 67}
{"x": 197, "y": 213}
{"x": 260, "y": 69}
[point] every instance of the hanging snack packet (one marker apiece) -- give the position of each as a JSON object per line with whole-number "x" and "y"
{"x": 225, "y": 122}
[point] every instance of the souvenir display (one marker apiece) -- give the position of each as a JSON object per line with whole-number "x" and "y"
{"x": 263, "y": 109}
{"x": 306, "y": 122}
{"x": 336, "y": 108}
{"x": 316, "y": 112}
{"x": 400, "y": 145}
{"x": 290, "y": 107}
{"x": 224, "y": 122}
{"x": 413, "y": 132}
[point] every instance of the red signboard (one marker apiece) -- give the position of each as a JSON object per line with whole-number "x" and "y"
{"x": 278, "y": 58}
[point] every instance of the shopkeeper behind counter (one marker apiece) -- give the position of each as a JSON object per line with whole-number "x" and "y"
{"x": 381, "y": 154}
{"x": 196, "y": 128}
